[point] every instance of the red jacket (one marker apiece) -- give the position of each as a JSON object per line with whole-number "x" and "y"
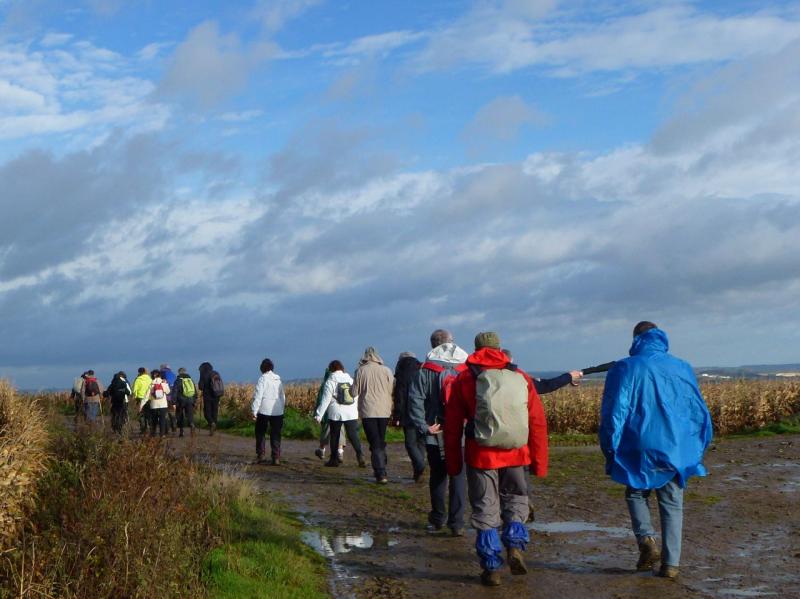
{"x": 461, "y": 408}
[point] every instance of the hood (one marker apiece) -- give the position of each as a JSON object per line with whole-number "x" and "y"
{"x": 205, "y": 369}
{"x": 489, "y": 357}
{"x": 652, "y": 342}
{"x": 272, "y": 375}
{"x": 447, "y": 353}
{"x": 370, "y": 355}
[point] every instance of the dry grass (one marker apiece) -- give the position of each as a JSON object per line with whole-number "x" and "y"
{"x": 23, "y": 458}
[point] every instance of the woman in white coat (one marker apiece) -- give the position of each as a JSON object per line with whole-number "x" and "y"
{"x": 342, "y": 410}
{"x": 269, "y": 401}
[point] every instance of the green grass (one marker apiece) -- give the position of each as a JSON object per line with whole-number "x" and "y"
{"x": 262, "y": 556}
{"x": 788, "y": 426}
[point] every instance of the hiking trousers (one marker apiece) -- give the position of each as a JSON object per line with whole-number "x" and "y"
{"x": 119, "y": 415}
{"x": 210, "y": 409}
{"x": 275, "y": 424}
{"x": 158, "y": 419}
{"x": 441, "y": 486}
{"x": 351, "y": 429}
{"x": 185, "y": 412}
{"x": 415, "y": 447}
{"x": 375, "y": 429}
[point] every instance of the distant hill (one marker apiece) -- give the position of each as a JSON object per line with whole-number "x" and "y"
{"x": 749, "y": 371}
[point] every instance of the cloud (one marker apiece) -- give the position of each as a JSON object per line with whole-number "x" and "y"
{"x": 274, "y": 14}
{"x": 501, "y": 120}
{"x": 55, "y": 39}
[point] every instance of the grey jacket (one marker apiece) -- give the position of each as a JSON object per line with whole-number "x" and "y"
{"x": 373, "y": 383}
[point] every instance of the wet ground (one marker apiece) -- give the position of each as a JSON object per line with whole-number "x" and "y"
{"x": 741, "y": 528}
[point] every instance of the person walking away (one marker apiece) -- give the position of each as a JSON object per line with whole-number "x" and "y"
{"x": 76, "y": 395}
{"x": 325, "y": 428}
{"x": 141, "y": 387}
{"x": 654, "y": 430}
{"x": 119, "y": 391}
{"x": 169, "y": 376}
{"x": 340, "y": 406}
{"x": 269, "y": 401}
{"x": 212, "y": 388}
{"x": 92, "y": 396}
{"x": 405, "y": 371}
{"x": 185, "y": 397}
{"x": 506, "y": 430}
{"x": 373, "y": 384}
{"x": 427, "y": 398}
{"x": 157, "y": 397}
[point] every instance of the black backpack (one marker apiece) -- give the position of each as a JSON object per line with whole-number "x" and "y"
{"x": 217, "y": 386}
{"x": 91, "y": 388}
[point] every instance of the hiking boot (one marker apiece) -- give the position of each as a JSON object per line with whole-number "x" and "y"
{"x": 648, "y": 554}
{"x": 181, "y": 433}
{"x": 382, "y": 481}
{"x": 332, "y": 462}
{"x": 670, "y": 572}
{"x": 213, "y": 428}
{"x": 418, "y": 475}
{"x": 434, "y": 528}
{"x": 516, "y": 563}
{"x": 361, "y": 462}
{"x": 491, "y": 578}
{"x": 276, "y": 461}
{"x": 457, "y": 532}
{"x": 320, "y": 453}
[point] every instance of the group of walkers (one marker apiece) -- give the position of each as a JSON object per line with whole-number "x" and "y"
{"x": 164, "y": 401}
{"x": 478, "y": 422}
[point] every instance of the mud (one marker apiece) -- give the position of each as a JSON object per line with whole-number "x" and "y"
{"x": 741, "y": 525}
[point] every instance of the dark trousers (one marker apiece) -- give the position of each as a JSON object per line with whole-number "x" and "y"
{"x": 351, "y": 429}
{"x": 210, "y": 409}
{"x": 185, "y": 413}
{"x": 119, "y": 415}
{"x": 375, "y": 429}
{"x": 158, "y": 418}
{"x": 415, "y": 446}
{"x": 275, "y": 424}
{"x": 439, "y": 485}
{"x": 171, "y": 416}
{"x": 144, "y": 418}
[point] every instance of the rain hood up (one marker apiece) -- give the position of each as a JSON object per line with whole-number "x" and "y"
{"x": 654, "y": 423}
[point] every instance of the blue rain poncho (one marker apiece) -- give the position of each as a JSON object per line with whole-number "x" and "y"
{"x": 654, "y": 423}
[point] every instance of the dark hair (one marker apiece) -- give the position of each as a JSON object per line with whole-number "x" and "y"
{"x": 266, "y": 365}
{"x": 122, "y": 374}
{"x": 335, "y": 365}
{"x": 90, "y": 372}
{"x": 155, "y": 373}
{"x": 643, "y": 327}
{"x": 142, "y": 370}
{"x": 440, "y": 336}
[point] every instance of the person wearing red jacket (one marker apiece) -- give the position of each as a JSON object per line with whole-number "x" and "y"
{"x": 496, "y": 482}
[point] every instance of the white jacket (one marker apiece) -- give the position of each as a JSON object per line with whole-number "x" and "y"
{"x": 156, "y": 403}
{"x": 269, "y": 398}
{"x": 335, "y": 410}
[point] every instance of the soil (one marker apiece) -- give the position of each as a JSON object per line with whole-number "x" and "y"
{"x": 741, "y": 535}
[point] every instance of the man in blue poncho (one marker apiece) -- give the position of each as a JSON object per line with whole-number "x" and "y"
{"x": 654, "y": 429}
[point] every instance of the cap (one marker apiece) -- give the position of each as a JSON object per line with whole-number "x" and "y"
{"x": 487, "y": 339}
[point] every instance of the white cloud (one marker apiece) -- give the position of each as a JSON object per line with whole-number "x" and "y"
{"x": 502, "y": 118}
{"x": 55, "y": 39}
{"x": 153, "y": 50}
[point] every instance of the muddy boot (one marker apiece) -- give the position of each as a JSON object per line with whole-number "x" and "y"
{"x": 648, "y": 554}
{"x": 516, "y": 562}
{"x": 212, "y": 428}
{"x": 276, "y": 461}
{"x": 181, "y": 433}
{"x": 320, "y": 453}
{"x": 332, "y": 462}
{"x": 491, "y": 578}
{"x": 670, "y": 572}
{"x": 361, "y": 462}
{"x": 259, "y": 459}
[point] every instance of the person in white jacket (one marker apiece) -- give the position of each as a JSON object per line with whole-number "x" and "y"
{"x": 342, "y": 409}
{"x": 269, "y": 401}
{"x": 157, "y": 396}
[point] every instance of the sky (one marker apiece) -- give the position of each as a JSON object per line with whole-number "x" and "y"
{"x": 301, "y": 179}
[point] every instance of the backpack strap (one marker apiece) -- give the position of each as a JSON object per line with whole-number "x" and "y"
{"x": 433, "y": 366}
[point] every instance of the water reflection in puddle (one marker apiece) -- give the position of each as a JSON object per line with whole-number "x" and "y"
{"x": 578, "y": 526}
{"x": 330, "y": 545}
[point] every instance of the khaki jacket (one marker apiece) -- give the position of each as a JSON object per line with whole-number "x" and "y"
{"x": 374, "y": 384}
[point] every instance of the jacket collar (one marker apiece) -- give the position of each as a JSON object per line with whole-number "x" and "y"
{"x": 652, "y": 342}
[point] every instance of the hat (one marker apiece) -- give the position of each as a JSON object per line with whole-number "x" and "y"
{"x": 487, "y": 339}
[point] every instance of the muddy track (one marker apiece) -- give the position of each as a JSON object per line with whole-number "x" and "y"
{"x": 741, "y": 531}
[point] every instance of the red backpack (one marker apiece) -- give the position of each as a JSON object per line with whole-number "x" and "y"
{"x": 447, "y": 376}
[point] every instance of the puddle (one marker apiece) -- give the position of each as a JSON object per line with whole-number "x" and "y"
{"x": 578, "y": 526}
{"x": 332, "y": 545}
{"x": 752, "y": 592}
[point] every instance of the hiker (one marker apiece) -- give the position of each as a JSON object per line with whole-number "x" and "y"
{"x": 141, "y": 387}
{"x": 210, "y": 384}
{"x": 496, "y": 451}
{"x": 119, "y": 391}
{"x": 76, "y": 395}
{"x": 185, "y": 398}
{"x": 269, "y": 401}
{"x": 157, "y": 398}
{"x": 324, "y": 425}
{"x": 654, "y": 430}
{"x": 340, "y": 406}
{"x": 405, "y": 371}
{"x": 373, "y": 384}
{"x": 169, "y": 376}
{"x": 427, "y": 398}
{"x": 91, "y": 397}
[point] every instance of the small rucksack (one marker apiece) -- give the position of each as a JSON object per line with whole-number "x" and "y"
{"x": 91, "y": 388}
{"x": 187, "y": 387}
{"x": 158, "y": 391}
{"x": 217, "y": 386}
{"x": 447, "y": 376}
{"x": 343, "y": 395}
{"x": 501, "y": 407}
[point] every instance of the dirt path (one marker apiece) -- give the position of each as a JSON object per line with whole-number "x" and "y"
{"x": 741, "y": 531}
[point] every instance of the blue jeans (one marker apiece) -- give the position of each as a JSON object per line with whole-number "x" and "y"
{"x": 670, "y": 509}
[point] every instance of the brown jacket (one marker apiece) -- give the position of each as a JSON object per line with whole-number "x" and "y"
{"x": 373, "y": 384}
